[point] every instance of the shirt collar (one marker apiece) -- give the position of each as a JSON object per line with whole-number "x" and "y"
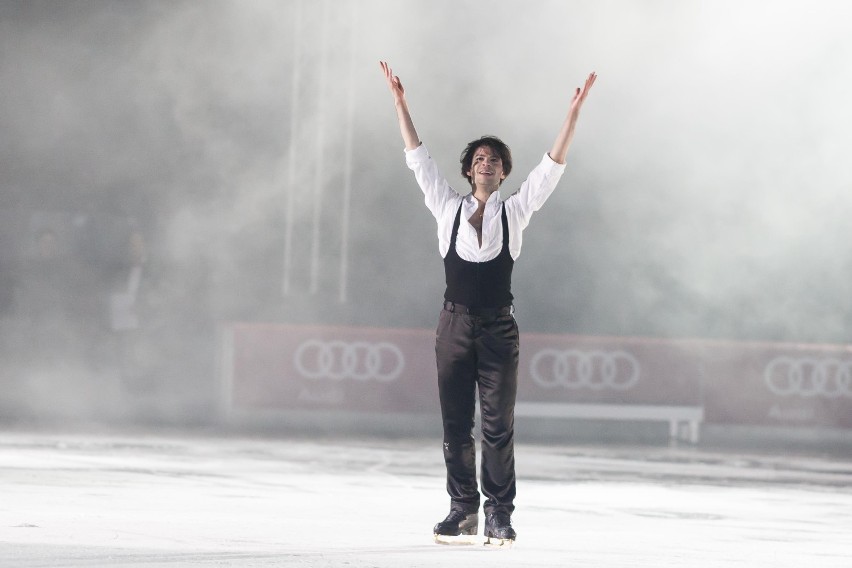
{"x": 492, "y": 199}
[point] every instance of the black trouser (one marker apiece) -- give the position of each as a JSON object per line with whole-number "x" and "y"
{"x": 483, "y": 351}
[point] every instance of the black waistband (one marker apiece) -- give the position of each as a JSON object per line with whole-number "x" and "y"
{"x": 480, "y": 312}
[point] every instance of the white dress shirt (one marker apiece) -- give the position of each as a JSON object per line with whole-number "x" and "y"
{"x": 443, "y": 201}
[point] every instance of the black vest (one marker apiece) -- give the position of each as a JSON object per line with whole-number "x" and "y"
{"x": 479, "y": 284}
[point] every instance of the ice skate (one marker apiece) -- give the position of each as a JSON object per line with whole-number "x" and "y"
{"x": 498, "y": 530}
{"x": 458, "y": 528}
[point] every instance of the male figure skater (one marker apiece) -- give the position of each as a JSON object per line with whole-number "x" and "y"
{"x": 479, "y": 237}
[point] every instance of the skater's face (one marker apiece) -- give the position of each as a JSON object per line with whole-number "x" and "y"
{"x": 486, "y": 168}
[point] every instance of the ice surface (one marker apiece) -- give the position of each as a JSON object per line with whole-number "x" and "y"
{"x": 193, "y": 500}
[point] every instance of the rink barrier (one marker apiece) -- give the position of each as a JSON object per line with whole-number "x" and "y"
{"x": 282, "y": 369}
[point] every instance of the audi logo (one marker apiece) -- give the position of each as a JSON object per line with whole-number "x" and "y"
{"x": 358, "y": 360}
{"x": 809, "y": 377}
{"x": 574, "y": 369}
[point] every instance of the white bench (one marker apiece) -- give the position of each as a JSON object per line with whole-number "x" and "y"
{"x": 677, "y": 416}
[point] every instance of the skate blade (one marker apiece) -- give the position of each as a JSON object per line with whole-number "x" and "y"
{"x": 460, "y": 540}
{"x": 492, "y": 542}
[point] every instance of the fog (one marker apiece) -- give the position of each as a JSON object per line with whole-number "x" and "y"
{"x": 251, "y": 153}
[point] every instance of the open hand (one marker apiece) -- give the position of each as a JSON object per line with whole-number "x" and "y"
{"x": 394, "y": 84}
{"x": 581, "y": 93}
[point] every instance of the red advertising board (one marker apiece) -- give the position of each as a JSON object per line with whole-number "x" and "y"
{"x": 604, "y": 370}
{"x": 778, "y": 384}
{"x": 332, "y": 368}
{"x": 358, "y": 369}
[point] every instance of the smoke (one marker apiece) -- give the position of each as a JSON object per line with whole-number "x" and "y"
{"x": 256, "y": 147}
{"x": 701, "y": 196}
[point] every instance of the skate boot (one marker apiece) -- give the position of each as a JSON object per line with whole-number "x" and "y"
{"x": 498, "y": 529}
{"x": 457, "y": 524}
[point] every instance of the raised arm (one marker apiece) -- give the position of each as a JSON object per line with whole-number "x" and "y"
{"x": 406, "y": 125}
{"x": 563, "y": 140}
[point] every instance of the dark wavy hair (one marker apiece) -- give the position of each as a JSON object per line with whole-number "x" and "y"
{"x": 497, "y": 146}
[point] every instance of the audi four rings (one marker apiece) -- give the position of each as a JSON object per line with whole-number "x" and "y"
{"x": 809, "y": 377}
{"x": 575, "y": 369}
{"x": 358, "y": 360}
